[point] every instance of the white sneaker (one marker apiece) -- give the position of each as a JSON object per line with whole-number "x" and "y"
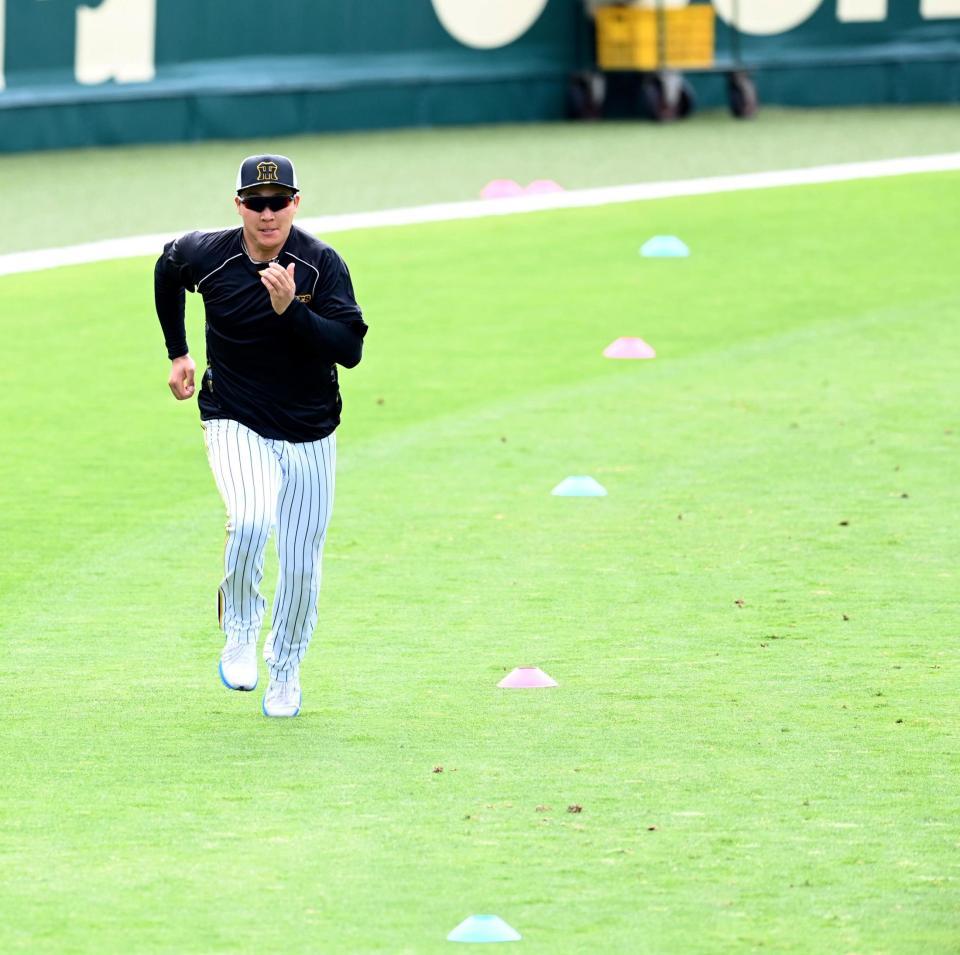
{"x": 282, "y": 699}
{"x": 238, "y": 665}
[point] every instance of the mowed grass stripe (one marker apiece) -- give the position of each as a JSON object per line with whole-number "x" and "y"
{"x": 761, "y": 741}
{"x": 653, "y": 482}
{"x": 454, "y": 303}
{"x": 390, "y": 168}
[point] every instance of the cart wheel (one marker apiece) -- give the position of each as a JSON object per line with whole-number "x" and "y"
{"x": 666, "y": 96}
{"x": 585, "y": 96}
{"x": 687, "y": 102}
{"x": 742, "y": 95}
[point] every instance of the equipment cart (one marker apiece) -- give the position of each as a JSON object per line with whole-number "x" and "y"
{"x": 657, "y": 43}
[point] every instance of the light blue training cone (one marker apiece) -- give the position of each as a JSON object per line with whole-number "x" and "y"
{"x": 664, "y": 247}
{"x": 579, "y": 485}
{"x": 483, "y": 928}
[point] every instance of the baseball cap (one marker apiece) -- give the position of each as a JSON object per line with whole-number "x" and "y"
{"x": 267, "y": 171}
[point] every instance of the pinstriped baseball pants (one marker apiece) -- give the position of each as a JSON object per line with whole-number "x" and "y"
{"x": 266, "y": 482}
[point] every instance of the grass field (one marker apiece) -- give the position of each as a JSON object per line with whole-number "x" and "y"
{"x": 755, "y": 633}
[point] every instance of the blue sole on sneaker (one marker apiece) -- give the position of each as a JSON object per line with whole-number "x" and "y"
{"x": 263, "y": 706}
{"x": 230, "y": 686}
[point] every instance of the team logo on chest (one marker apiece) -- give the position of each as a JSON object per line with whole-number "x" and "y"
{"x": 306, "y": 297}
{"x": 267, "y": 172}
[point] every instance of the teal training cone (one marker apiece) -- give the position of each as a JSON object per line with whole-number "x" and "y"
{"x": 579, "y": 485}
{"x": 664, "y": 247}
{"x": 483, "y": 928}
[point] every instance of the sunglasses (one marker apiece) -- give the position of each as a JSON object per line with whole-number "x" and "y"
{"x": 259, "y": 203}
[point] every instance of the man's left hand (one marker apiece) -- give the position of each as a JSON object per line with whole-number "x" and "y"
{"x": 280, "y": 284}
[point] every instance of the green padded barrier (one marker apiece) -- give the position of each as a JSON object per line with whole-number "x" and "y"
{"x": 241, "y": 68}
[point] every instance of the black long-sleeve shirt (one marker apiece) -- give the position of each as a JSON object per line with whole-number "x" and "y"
{"x": 276, "y": 374}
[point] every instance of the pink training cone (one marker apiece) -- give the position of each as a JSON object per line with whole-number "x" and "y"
{"x": 526, "y": 678}
{"x": 501, "y": 189}
{"x": 540, "y": 186}
{"x": 629, "y": 348}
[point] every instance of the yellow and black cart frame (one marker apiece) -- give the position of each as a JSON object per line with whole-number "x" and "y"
{"x": 659, "y": 44}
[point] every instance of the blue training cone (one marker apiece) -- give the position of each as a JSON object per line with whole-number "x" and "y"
{"x": 483, "y": 928}
{"x": 579, "y": 485}
{"x": 664, "y": 247}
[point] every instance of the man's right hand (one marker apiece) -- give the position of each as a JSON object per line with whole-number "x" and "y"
{"x": 181, "y": 377}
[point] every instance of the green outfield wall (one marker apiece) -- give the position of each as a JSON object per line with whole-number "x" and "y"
{"x": 121, "y": 71}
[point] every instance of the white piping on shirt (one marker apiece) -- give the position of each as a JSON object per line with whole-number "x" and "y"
{"x": 313, "y": 291}
{"x": 217, "y": 269}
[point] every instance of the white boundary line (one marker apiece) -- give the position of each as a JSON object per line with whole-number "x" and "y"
{"x": 444, "y": 212}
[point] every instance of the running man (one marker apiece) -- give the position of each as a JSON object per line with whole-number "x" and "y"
{"x": 280, "y": 316}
